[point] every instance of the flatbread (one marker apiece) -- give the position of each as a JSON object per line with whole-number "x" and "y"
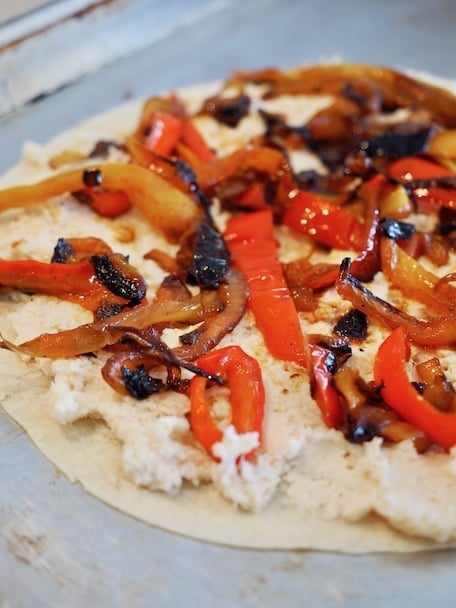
{"x": 313, "y": 490}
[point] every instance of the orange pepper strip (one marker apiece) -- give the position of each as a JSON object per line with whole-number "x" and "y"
{"x": 247, "y": 395}
{"x": 391, "y": 375}
{"x": 107, "y": 204}
{"x": 251, "y": 242}
{"x": 48, "y": 278}
{"x": 75, "y": 282}
{"x": 260, "y": 159}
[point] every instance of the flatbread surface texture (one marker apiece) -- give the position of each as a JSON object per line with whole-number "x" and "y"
{"x": 308, "y": 487}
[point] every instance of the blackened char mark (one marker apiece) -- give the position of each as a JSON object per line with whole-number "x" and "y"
{"x": 210, "y": 260}
{"x": 63, "y": 251}
{"x": 395, "y": 229}
{"x": 230, "y": 110}
{"x": 139, "y": 384}
{"x": 396, "y": 145}
{"x": 352, "y": 325}
{"x": 112, "y": 277}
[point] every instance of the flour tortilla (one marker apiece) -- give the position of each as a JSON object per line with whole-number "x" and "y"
{"x": 87, "y": 452}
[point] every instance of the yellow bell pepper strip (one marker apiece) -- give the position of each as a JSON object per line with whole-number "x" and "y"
{"x": 391, "y": 376}
{"x": 322, "y": 388}
{"x": 375, "y": 84}
{"x": 250, "y": 240}
{"x": 414, "y": 281}
{"x": 247, "y": 396}
{"x": 162, "y": 204}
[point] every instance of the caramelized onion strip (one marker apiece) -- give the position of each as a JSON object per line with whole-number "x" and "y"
{"x": 378, "y": 86}
{"x": 95, "y": 336}
{"x": 437, "y": 332}
{"x": 233, "y": 293}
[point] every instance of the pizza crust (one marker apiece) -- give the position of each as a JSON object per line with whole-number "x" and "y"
{"x": 310, "y": 498}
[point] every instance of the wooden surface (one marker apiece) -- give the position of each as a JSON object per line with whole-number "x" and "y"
{"x": 60, "y": 547}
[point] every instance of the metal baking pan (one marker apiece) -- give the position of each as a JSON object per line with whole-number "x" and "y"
{"x": 58, "y": 545}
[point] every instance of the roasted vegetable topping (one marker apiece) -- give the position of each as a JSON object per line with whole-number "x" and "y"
{"x": 243, "y": 376}
{"x": 62, "y": 251}
{"x": 138, "y": 382}
{"x": 116, "y": 274}
{"x": 228, "y": 110}
{"x": 204, "y": 255}
{"x": 387, "y": 196}
{"x": 396, "y": 145}
{"x": 352, "y": 325}
{"x": 395, "y": 229}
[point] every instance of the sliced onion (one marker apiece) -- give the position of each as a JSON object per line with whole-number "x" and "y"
{"x": 233, "y": 294}
{"x": 437, "y": 332}
{"x": 95, "y": 336}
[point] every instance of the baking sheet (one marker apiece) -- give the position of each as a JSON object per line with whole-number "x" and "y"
{"x": 13, "y": 10}
{"x": 59, "y": 546}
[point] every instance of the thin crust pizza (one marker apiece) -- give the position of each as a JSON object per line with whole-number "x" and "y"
{"x": 229, "y": 311}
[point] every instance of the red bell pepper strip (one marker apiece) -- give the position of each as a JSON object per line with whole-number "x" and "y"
{"x": 251, "y": 242}
{"x": 366, "y": 236}
{"x": 193, "y": 139}
{"x": 247, "y": 396}
{"x": 163, "y": 132}
{"x": 253, "y": 197}
{"x": 322, "y": 220}
{"x": 414, "y": 168}
{"x": 410, "y": 168}
{"x": 323, "y": 391}
{"x": 397, "y": 391}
